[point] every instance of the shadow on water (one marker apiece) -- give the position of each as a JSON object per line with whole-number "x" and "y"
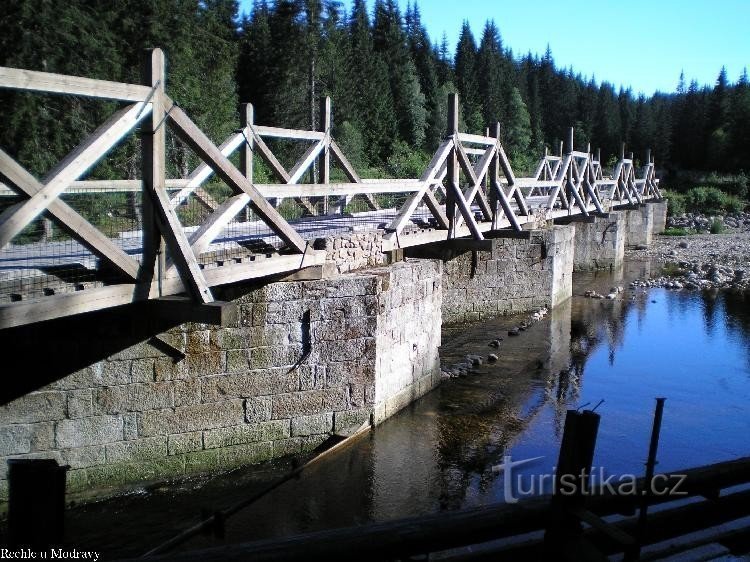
{"x": 438, "y": 453}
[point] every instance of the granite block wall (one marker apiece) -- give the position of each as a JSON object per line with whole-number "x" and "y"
{"x": 306, "y": 359}
{"x": 518, "y": 275}
{"x": 601, "y": 243}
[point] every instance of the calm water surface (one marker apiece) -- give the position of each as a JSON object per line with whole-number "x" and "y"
{"x": 693, "y": 348}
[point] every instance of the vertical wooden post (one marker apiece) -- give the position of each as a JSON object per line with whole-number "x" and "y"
{"x": 247, "y": 119}
{"x": 324, "y": 160}
{"x": 494, "y": 177}
{"x": 570, "y": 140}
{"x": 648, "y": 156}
{"x": 622, "y": 152}
{"x": 561, "y": 149}
{"x": 599, "y": 155}
{"x": 571, "y": 477}
{"x": 452, "y": 165}
{"x": 153, "y": 147}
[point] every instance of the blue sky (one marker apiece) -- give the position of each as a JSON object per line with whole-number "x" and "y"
{"x": 641, "y": 43}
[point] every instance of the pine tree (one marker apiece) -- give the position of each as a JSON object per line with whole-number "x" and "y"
{"x": 518, "y": 130}
{"x": 466, "y": 78}
{"x": 490, "y": 77}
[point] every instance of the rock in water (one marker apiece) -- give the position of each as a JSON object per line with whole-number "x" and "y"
{"x": 492, "y": 358}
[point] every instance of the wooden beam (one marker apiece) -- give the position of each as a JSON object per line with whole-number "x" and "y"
{"x": 198, "y": 176}
{"x": 281, "y": 133}
{"x": 296, "y": 173}
{"x": 83, "y": 157}
{"x": 406, "y": 211}
{"x": 79, "y": 302}
{"x": 78, "y": 227}
{"x": 217, "y": 222}
{"x": 197, "y": 140}
{"x": 268, "y": 157}
{"x": 349, "y": 170}
{"x": 436, "y": 209}
{"x": 31, "y": 80}
{"x": 180, "y": 310}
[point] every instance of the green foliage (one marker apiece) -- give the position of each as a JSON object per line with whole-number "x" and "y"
{"x": 717, "y": 227}
{"x": 405, "y": 162}
{"x": 676, "y": 204}
{"x": 711, "y": 201}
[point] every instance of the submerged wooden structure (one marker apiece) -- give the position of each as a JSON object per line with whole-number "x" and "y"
{"x": 469, "y": 189}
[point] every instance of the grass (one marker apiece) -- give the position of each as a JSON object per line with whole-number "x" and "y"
{"x": 677, "y": 231}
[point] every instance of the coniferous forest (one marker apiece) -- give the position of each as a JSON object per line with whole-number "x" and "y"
{"x": 387, "y": 78}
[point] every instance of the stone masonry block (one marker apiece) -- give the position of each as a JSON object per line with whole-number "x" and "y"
{"x": 236, "y": 435}
{"x": 137, "y": 450}
{"x": 84, "y": 457}
{"x": 191, "y": 418}
{"x": 20, "y": 439}
{"x": 253, "y": 383}
{"x": 182, "y": 443}
{"x": 95, "y": 430}
{"x": 312, "y": 425}
{"x": 80, "y": 403}
{"x": 133, "y": 398}
{"x": 34, "y": 407}
{"x": 257, "y": 409}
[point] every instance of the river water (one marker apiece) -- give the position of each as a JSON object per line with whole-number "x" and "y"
{"x": 438, "y": 454}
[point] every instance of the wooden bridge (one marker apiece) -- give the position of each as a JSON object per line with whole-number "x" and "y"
{"x": 184, "y": 237}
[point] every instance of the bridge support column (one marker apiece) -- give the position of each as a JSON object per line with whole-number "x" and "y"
{"x": 660, "y": 216}
{"x": 516, "y": 275}
{"x": 600, "y": 243}
{"x": 640, "y": 226}
{"x": 301, "y": 361}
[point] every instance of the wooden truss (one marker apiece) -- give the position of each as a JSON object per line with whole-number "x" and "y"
{"x": 469, "y": 188}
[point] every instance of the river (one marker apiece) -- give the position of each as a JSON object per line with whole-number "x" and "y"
{"x": 438, "y": 454}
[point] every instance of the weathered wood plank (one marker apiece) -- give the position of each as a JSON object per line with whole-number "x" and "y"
{"x": 179, "y": 246}
{"x": 296, "y": 173}
{"x": 84, "y": 156}
{"x": 67, "y": 304}
{"x": 406, "y": 211}
{"x": 198, "y": 176}
{"x": 197, "y": 140}
{"x": 217, "y": 221}
{"x": 476, "y": 139}
{"x": 279, "y": 132}
{"x": 20, "y": 79}
{"x": 269, "y": 158}
{"x": 349, "y": 170}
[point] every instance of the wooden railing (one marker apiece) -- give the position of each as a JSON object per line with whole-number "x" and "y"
{"x": 468, "y": 189}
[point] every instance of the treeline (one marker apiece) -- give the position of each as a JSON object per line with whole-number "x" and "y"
{"x": 388, "y": 79}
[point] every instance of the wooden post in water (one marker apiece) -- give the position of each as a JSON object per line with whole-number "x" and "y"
{"x": 452, "y": 165}
{"x": 571, "y": 478}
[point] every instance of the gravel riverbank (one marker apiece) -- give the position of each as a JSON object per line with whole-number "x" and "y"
{"x": 699, "y": 261}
